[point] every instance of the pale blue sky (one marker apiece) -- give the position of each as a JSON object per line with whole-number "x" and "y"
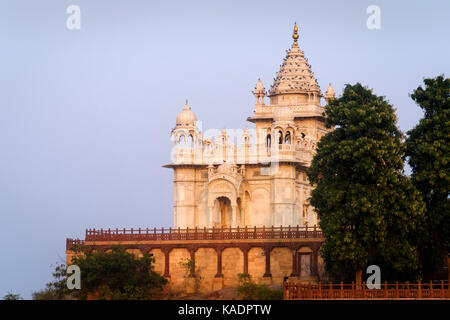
{"x": 85, "y": 115}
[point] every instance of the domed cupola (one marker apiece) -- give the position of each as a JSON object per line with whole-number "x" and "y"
{"x": 186, "y": 117}
{"x": 259, "y": 93}
{"x": 259, "y": 89}
{"x": 329, "y": 95}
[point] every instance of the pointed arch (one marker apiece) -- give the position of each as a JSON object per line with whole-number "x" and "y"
{"x": 181, "y": 140}
{"x": 280, "y": 137}
{"x": 287, "y": 138}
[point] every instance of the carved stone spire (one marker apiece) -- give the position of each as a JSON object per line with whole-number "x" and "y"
{"x": 295, "y": 75}
{"x": 259, "y": 92}
{"x": 329, "y": 95}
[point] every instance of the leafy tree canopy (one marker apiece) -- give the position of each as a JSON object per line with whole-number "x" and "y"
{"x": 370, "y": 213}
{"x": 428, "y": 149}
{"x": 249, "y": 290}
{"x": 57, "y": 289}
{"x": 12, "y": 296}
{"x": 118, "y": 275}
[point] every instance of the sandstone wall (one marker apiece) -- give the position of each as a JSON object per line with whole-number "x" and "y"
{"x": 256, "y": 264}
{"x": 178, "y": 272}
{"x": 206, "y": 268}
{"x": 280, "y": 264}
{"x": 232, "y": 264}
{"x": 158, "y": 255}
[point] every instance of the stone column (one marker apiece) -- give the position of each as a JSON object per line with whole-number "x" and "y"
{"x": 166, "y": 262}
{"x": 245, "y": 252}
{"x": 219, "y": 262}
{"x": 190, "y": 281}
{"x": 267, "y": 250}
{"x": 234, "y": 215}
{"x": 267, "y": 277}
{"x": 192, "y": 253}
{"x": 210, "y": 223}
{"x": 218, "y": 279}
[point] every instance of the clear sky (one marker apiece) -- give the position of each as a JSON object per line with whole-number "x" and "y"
{"x": 85, "y": 114}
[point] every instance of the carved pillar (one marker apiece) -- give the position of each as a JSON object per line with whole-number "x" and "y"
{"x": 234, "y": 215}
{"x": 210, "y": 214}
{"x": 219, "y": 251}
{"x": 166, "y": 262}
{"x": 267, "y": 250}
{"x": 192, "y": 253}
{"x": 245, "y": 250}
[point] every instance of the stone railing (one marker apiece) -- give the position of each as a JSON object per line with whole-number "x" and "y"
{"x": 211, "y": 234}
{"x": 300, "y": 291}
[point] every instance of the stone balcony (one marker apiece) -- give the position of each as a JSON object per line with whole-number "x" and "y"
{"x": 242, "y": 155}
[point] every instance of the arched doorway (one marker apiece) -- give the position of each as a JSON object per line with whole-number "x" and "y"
{"x": 304, "y": 262}
{"x": 222, "y": 208}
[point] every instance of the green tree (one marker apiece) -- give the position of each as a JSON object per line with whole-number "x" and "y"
{"x": 12, "y": 296}
{"x": 249, "y": 290}
{"x": 370, "y": 213}
{"x": 56, "y": 289}
{"x": 190, "y": 273}
{"x": 428, "y": 149}
{"x": 117, "y": 275}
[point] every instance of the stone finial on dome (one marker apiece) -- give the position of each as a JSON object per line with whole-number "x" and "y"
{"x": 259, "y": 92}
{"x": 186, "y": 117}
{"x": 295, "y": 36}
{"x": 330, "y": 95}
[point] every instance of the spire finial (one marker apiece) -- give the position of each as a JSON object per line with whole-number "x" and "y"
{"x": 295, "y": 35}
{"x": 186, "y": 106}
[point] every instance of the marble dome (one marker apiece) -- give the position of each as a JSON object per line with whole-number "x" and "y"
{"x": 186, "y": 116}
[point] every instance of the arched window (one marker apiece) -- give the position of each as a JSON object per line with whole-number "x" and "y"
{"x": 190, "y": 141}
{"x": 269, "y": 141}
{"x": 181, "y": 141}
{"x": 280, "y": 137}
{"x": 287, "y": 138}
